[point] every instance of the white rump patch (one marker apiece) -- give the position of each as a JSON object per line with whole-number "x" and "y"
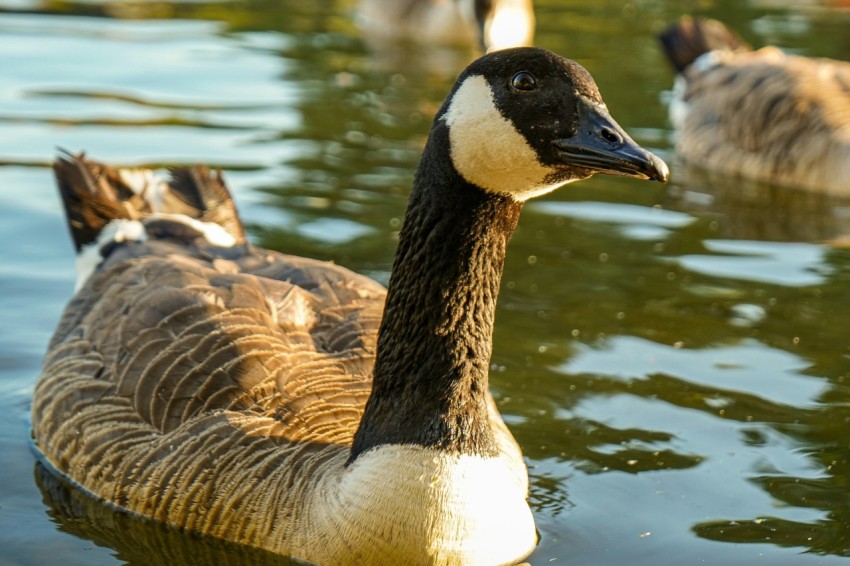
{"x": 678, "y": 110}
{"x": 146, "y": 184}
{"x": 707, "y": 60}
{"x": 486, "y": 148}
{"x": 119, "y": 230}
{"x": 122, "y": 230}
{"x": 211, "y": 232}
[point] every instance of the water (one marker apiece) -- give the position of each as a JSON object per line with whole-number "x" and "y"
{"x": 671, "y": 358}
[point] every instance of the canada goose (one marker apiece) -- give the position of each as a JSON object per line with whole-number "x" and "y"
{"x": 487, "y": 24}
{"x": 201, "y": 381}
{"x": 762, "y": 114}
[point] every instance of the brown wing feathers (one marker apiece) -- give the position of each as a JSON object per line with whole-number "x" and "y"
{"x": 180, "y": 360}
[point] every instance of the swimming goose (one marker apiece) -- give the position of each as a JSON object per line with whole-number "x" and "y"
{"x": 290, "y": 404}
{"x": 487, "y": 24}
{"x": 762, "y": 114}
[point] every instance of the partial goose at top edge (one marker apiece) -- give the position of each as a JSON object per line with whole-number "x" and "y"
{"x": 764, "y": 115}
{"x": 488, "y": 25}
{"x": 290, "y": 404}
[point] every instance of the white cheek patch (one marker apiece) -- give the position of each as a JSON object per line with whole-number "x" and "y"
{"x": 488, "y": 151}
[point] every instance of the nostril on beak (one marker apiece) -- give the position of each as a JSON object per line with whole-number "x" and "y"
{"x": 610, "y": 136}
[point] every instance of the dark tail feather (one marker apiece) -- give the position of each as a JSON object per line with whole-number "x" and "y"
{"x": 690, "y": 37}
{"x": 197, "y": 193}
{"x": 95, "y": 194}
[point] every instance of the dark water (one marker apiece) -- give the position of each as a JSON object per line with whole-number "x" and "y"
{"x": 671, "y": 358}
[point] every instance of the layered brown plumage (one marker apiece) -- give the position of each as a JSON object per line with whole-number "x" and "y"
{"x": 765, "y": 115}
{"x": 200, "y": 381}
{"x": 207, "y": 382}
{"x": 218, "y": 389}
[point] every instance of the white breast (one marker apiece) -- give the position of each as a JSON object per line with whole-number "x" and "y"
{"x": 462, "y": 509}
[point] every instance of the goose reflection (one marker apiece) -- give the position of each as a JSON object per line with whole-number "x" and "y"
{"x": 137, "y": 541}
{"x": 751, "y": 210}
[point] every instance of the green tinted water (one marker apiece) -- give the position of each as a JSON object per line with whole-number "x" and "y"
{"x": 671, "y": 358}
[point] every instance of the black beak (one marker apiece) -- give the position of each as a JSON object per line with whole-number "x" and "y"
{"x": 602, "y": 145}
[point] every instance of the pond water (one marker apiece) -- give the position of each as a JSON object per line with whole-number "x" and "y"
{"x": 672, "y": 359}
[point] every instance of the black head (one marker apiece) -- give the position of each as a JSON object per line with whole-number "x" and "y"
{"x": 524, "y": 121}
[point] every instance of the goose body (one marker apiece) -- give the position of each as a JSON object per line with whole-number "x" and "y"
{"x": 487, "y": 24}
{"x": 763, "y": 114}
{"x": 290, "y": 404}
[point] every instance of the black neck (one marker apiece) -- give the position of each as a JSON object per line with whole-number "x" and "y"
{"x": 430, "y": 379}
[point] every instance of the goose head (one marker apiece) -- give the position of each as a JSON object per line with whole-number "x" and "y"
{"x": 522, "y": 122}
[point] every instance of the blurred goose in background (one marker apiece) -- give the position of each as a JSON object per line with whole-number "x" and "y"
{"x": 761, "y": 114}
{"x": 486, "y": 24}
{"x": 290, "y": 404}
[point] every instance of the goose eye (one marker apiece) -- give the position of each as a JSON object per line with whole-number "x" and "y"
{"x": 524, "y": 81}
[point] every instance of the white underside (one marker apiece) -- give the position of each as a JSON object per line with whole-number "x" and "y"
{"x": 413, "y": 505}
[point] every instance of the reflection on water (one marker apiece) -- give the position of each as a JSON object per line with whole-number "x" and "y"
{"x": 138, "y": 541}
{"x": 749, "y": 210}
{"x": 672, "y": 359}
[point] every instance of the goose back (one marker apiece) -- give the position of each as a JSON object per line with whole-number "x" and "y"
{"x": 763, "y": 114}
{"x": 199, "y": 371}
